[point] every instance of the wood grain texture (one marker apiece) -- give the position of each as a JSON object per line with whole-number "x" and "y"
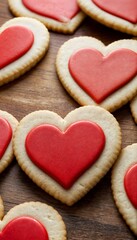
{"x": 94, "y": 217}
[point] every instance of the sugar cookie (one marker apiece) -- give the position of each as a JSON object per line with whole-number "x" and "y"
{"x": 33, "y": 220}
{"x": 23, "y": 42}
{"x": 60, "y": 16}
{"x": 8, "y": 124}
{"x": 124, "y": 185}
{"x": 67, "y": 157}
{"x": 119, "y": 14}
{"x": 94, "y": 74}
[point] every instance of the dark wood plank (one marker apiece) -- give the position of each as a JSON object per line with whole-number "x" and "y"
{"x": 94, "y": 217}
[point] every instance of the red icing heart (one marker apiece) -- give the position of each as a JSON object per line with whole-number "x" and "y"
{"x": 24, "y": 228}
{"x": 99, "y": 75}
{"x": 126, "y": 9}
{"x": 14, "y": 43}
{"x": 130, "y": 183}
{"x": 65, "y": 156}
{"x": 59, "y": 10}
{"x": 5, "y": 136}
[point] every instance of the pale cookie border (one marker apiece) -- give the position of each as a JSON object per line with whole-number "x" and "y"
{"x": 92, "y": 176}
{"x": 34, "y": 54}
{"x": 18, "y": 9}
{"x": 8, "y": 155}
{"x": 107, "y": 19}
{"x": 43, "y": 213}
{"x": 127, "y": 158}
{"x": 116, "y": 99}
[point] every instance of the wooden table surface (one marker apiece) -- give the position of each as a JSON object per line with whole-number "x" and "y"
{"x": 94, "y": 217}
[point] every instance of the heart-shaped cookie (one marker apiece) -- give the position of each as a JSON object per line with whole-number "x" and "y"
{"x": 61, "y": 155}
{"x": 124, "y": 185}
{"x": 61, "y": 16}
{"x": 33, "y": 220}
{"x": 119, "y": 14}
{"x": 96, "y": 74}
{"x": 32, "y": 40}
{"x": 8, "y": 124}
